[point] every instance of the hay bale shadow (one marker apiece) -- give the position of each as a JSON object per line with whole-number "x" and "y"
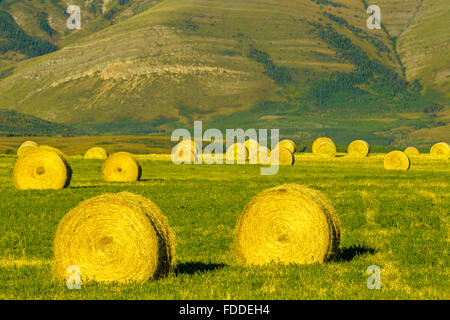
{"x": 348, "y": 254}
{"x": 197, "y": 267}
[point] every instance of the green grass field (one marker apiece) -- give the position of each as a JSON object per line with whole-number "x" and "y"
{"x": 396, "y": 220}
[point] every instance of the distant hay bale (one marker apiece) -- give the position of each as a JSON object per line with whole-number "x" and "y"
{"x": 325, "y": 149}
{"x": 358, "y": 149}
{"x": 260, "y": 156}
{"x": 411, "y": 152}
{"x": 318, "y": 141}
{"x": 119, "y": 237}
{"x": 251, "y": 145}
{"x": 288, "y": 144}
{"x": 441, "y": 151}
{"x": 96, "y": 153}
{"x": 188, "y": 145}
{"x": 396, "y": 160}
{"x": 287, "y": 224}
{"x": 41, "y": 169}
{"x": 237, "y": 153}
{"x": 121, "y": 167}
{"x": 281, "y": 156}
{"x": 27, "y": 145}
{"x": 184, "y": 155}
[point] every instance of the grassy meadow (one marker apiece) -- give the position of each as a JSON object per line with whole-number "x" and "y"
{"x": 396, "y": 220}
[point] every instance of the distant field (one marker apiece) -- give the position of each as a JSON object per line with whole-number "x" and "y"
{"x": 396, "y": 220}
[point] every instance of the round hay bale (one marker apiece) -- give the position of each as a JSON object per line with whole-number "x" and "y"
{"x": 396, "y": 160}
{"x": 440, "y": 150}
{"x": 411, "y": 152}
{"x": 358, "y": 149}
{"x": 287, "y": 224}
{"x": 326, "y": 149}
{"x": 96, "y": 153}
{"x": 184, "y": 155}
{"x": 251, "y": 145}
{"x": 118, "y": 237}
{"x": 40, "y": 169}
{"x": 281, "y": 156}
{"x": 260, "y": 156}
{"x": 237, "y": 152}
{"x": 318, "y": 141}
{"x": 61, "y": 154}
{"x": 27, "y": 145}
{"x": 121, "y": 167}
{"x": 288, "y": 144}
{"x": 188, "y": 145}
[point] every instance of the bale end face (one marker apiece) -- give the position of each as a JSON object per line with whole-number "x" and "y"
{"x": 121, "y": 167}
{"x": 440, "y": 151}
{"x": 358, "y": 149}
{"x": 397, "y": 160}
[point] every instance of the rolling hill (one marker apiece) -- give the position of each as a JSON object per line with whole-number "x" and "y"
{"x": 308, "y": 67}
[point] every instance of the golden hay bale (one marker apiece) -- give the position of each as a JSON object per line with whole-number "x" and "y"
{"x": 237, "y": 152}
{"x": 440, "y": 150}
{"x": 358, "y": 149}
{"x": 96, "y": 153}
{"x": 287, "y": 224}
{"x": 318, "y": 141}
{"x": 40, "y": 169}
{"x": 27, "y": 145}
{"x": 188, "y": 145}
{"x": 288, "y": 144}
{"x": 325, "y": 149}
{"x": 121, "y": 167}
{"x": 260, "y": 157}
{"x": 281, "y": 156}
{"x": 118, "y": 237}
{"x": 251, "y": 145}
{"x": 61, "y": 154}
{"x": 184, "y": 155}
{"x": 396, "y": 160}
{"x": 411, "y": 152}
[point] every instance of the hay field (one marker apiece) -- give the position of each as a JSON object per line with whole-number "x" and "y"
{"x": 396, "y": 220}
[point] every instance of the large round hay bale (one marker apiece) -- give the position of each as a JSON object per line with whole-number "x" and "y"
{"x": 358, "y": 149}
{"x": 118, "y": 237}
{"x": 287, "y": 224}
{"x": 27, "y": 145}
{"x": 325, "y": 149}
{"x": 187, "y": 145}
{"x": 41, "y": 169}
{"x": 318, "y": 141}
{"x": 61, "y": 154}
{"x": 263, "y": 155}
{"x": 121, "y": 167}
{"x": 281, "y": 156}
{"x": 441, "y": 151}
{"x": 288, "y": 144}
{"x": 98, "y": 153}
{"x": 411, "y": 152}
{"x": 396, "y": 160}
{"x": 237, "y": 152}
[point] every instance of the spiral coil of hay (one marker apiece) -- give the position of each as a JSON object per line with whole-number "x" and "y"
{"x": 27, "y": 145}
{"x": 325, "y": 149}
{"x": 237, "y": 153}
{"x": 41, "y": 169}
{"x": 281, "y": 156}
{"x": 397, "y": 160}
{"x": 440, "y": 150}
{"x": 119, "y": 237}
{"x": 319, "y": 141}
{"x": 121, "y": 167}
{"x": 287, "y": 224}
{"x": 97, "y": 153}
{"x": 358, "y": 149}
{"x": 288, "y": 144}
{"x": 411, "y": 152}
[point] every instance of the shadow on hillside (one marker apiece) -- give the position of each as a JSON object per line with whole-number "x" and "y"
{"x": 348, "y": 254}
{"x": 197, "y": 267}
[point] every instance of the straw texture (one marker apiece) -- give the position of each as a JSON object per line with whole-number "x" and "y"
{"x": 441, "y": 151}
{"x": 27, "y": 145}
{"x": 396, "y": 160}
{"x": 96, "y": 153}
{"x": 411, "y": 152}
{"x": 358, "y": 149}
{"x": 121, "y": 167}
{"x": 281, "y": 156}
{"x": 318, "y": 141}
{"x": 325, "y": 149}
{"x": 288, "y": 144}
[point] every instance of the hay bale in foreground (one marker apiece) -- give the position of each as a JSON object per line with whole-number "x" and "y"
{"x": 98, "y": 153}
{"x": 319, "y": 141}
{"x": 411, "y": 152}
{"x": 441, "y": 151}
{"x": 325, "y": 149}
{"x": 281, "y": 156}
{"x": 61, "y": 154}
{"x": 287, "y": 224}
{"x": 288, "y": 144}
{"x": 358, "y": 149}
{"x": 118, "y": 237}
{"x": 121, "y": 167}
{"x": 27, "y": 145}
{"x": 397, "y": 160}
{"x": 237, "y": 153}
{"x": 40, "y": 169}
